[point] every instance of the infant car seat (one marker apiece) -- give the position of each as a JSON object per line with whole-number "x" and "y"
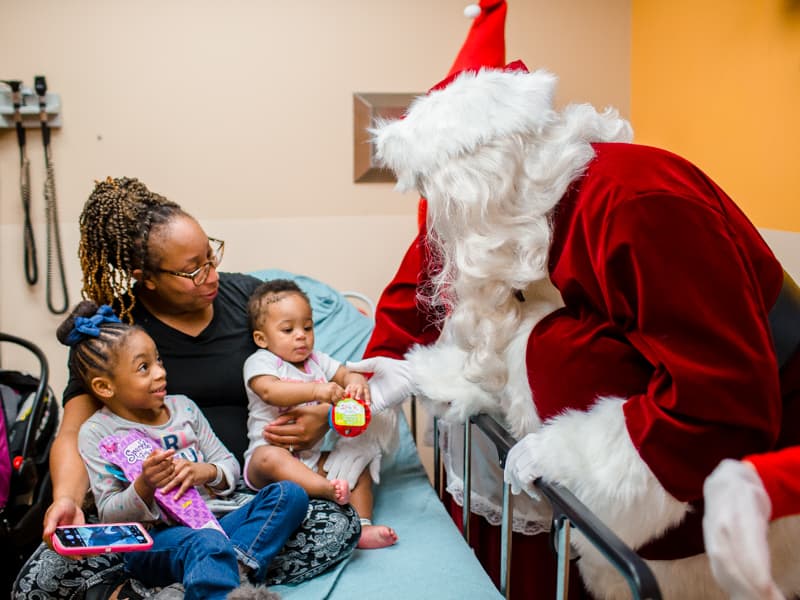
{"x": 29, "y": 419}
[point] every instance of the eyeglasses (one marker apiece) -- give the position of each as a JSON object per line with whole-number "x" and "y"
{"x": 200, "y": 274}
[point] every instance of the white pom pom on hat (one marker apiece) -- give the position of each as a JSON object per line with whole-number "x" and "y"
{"x": 485, "y": 45}
{"x": 471, "y": 11}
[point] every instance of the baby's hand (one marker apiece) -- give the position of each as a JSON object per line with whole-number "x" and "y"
{"x": 158, "y": 468}
{"x": 328, "y": 392}
{"x": 358, "y": 390}
{"x": 357, "y": 387}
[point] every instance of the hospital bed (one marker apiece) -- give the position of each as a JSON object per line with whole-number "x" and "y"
{"x": 432, "y": 558}
{"x": 568, "y": 513}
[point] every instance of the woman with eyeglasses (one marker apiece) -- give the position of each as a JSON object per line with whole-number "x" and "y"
{"x": 145, "y": 256}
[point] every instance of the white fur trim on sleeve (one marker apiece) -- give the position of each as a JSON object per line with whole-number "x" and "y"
{"x": 438, "y": 374}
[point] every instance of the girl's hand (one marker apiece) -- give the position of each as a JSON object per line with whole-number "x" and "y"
{"x": 328, "y": 392}
{"x": 158, "y": 469}
{"x": 188, "y": 475}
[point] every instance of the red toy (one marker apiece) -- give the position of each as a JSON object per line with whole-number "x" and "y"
{"x": 349, "y": 416}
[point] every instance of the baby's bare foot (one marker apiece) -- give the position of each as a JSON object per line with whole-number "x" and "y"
{"x": 376, "y": 536}
{"x": 341, "y": 491}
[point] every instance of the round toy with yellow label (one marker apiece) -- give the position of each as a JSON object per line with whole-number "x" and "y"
{"x": 349, "y": 416}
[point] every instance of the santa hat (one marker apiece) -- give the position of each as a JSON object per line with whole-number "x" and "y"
{"x": 479, "y": 100}
{"x": 471, "y": 111}
{"x": 484, "y": 47}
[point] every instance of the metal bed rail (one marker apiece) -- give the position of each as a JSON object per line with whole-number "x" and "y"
{"x": 568, "y": 512}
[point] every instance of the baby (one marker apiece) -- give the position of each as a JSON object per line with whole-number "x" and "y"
{"x": 285, "y": 372}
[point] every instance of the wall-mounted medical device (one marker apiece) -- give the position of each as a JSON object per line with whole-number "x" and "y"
{"x": 15, "y": 97}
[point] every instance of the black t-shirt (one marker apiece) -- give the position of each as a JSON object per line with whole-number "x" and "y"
{"x": 208, "y": 367}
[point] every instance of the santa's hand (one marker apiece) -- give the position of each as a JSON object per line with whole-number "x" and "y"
{"x": 351, "y": 456}
{"x": 521, "y": 465}
{"x": 390, "y": 383}
{"x": 737, "y": 511}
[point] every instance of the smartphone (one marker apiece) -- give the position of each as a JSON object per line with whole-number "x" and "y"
{"x": 98, "y": 538}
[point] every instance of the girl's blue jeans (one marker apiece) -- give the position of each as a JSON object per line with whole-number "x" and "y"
{"x": 206, "y": 561}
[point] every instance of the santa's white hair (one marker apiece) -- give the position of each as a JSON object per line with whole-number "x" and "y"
{"x": 493, "y": 158}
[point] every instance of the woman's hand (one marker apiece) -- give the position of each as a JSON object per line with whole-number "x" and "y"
{"x": 299, "y": 428}
{"x": 63, "y": 511}
{"x": 67, "y": 469}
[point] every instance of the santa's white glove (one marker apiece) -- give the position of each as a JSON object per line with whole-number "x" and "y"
{"x": 351, "y": 456}
{"x": 390, "y": 383}
{"x": 737, "y": 511}
{"x": 521, "y": 465}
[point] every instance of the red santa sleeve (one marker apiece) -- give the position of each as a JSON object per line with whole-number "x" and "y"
{"x": 400, "y": 320}
{"x": 780, "y": 474}
{"x": 685, "y": 279}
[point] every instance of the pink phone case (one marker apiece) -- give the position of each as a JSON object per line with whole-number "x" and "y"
{"x": 75, "y": 537}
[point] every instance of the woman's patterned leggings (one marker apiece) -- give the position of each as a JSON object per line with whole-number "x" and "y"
{"x": 327, "y": 536}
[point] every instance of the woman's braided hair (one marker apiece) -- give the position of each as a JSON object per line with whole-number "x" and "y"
{"x": 116, "y": 223}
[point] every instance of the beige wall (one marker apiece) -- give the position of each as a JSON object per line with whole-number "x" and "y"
{"x": 241, "y": 111}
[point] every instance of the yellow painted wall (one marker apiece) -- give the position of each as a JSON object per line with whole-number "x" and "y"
{"x": 719, "y": 83}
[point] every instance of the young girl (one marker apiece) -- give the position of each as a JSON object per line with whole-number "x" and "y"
{"x": 285, "y": 372}
{"x": 120, "y": 366}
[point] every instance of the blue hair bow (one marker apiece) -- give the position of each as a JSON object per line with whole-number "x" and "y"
{"x": 86, "y": 327}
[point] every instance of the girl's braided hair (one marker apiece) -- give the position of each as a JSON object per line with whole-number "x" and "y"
{"x": 92, "y": 354}
{"x": 116, "y": 224}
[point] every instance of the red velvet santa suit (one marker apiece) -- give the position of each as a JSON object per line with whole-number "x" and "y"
{"x": 666, "y": 287}
{"x": 645, "y": 250}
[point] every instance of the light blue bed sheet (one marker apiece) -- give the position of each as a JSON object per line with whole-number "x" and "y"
{"x": 430, "y": 560}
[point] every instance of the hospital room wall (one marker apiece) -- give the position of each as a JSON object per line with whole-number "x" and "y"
{"x": 719, "y": 83}
{"x": 242, "y": 112}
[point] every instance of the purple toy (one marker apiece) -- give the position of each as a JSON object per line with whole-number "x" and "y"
{"x": 128, "y": 453}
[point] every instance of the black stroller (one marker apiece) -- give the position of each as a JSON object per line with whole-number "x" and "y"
{"x": 31, "y": 415}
